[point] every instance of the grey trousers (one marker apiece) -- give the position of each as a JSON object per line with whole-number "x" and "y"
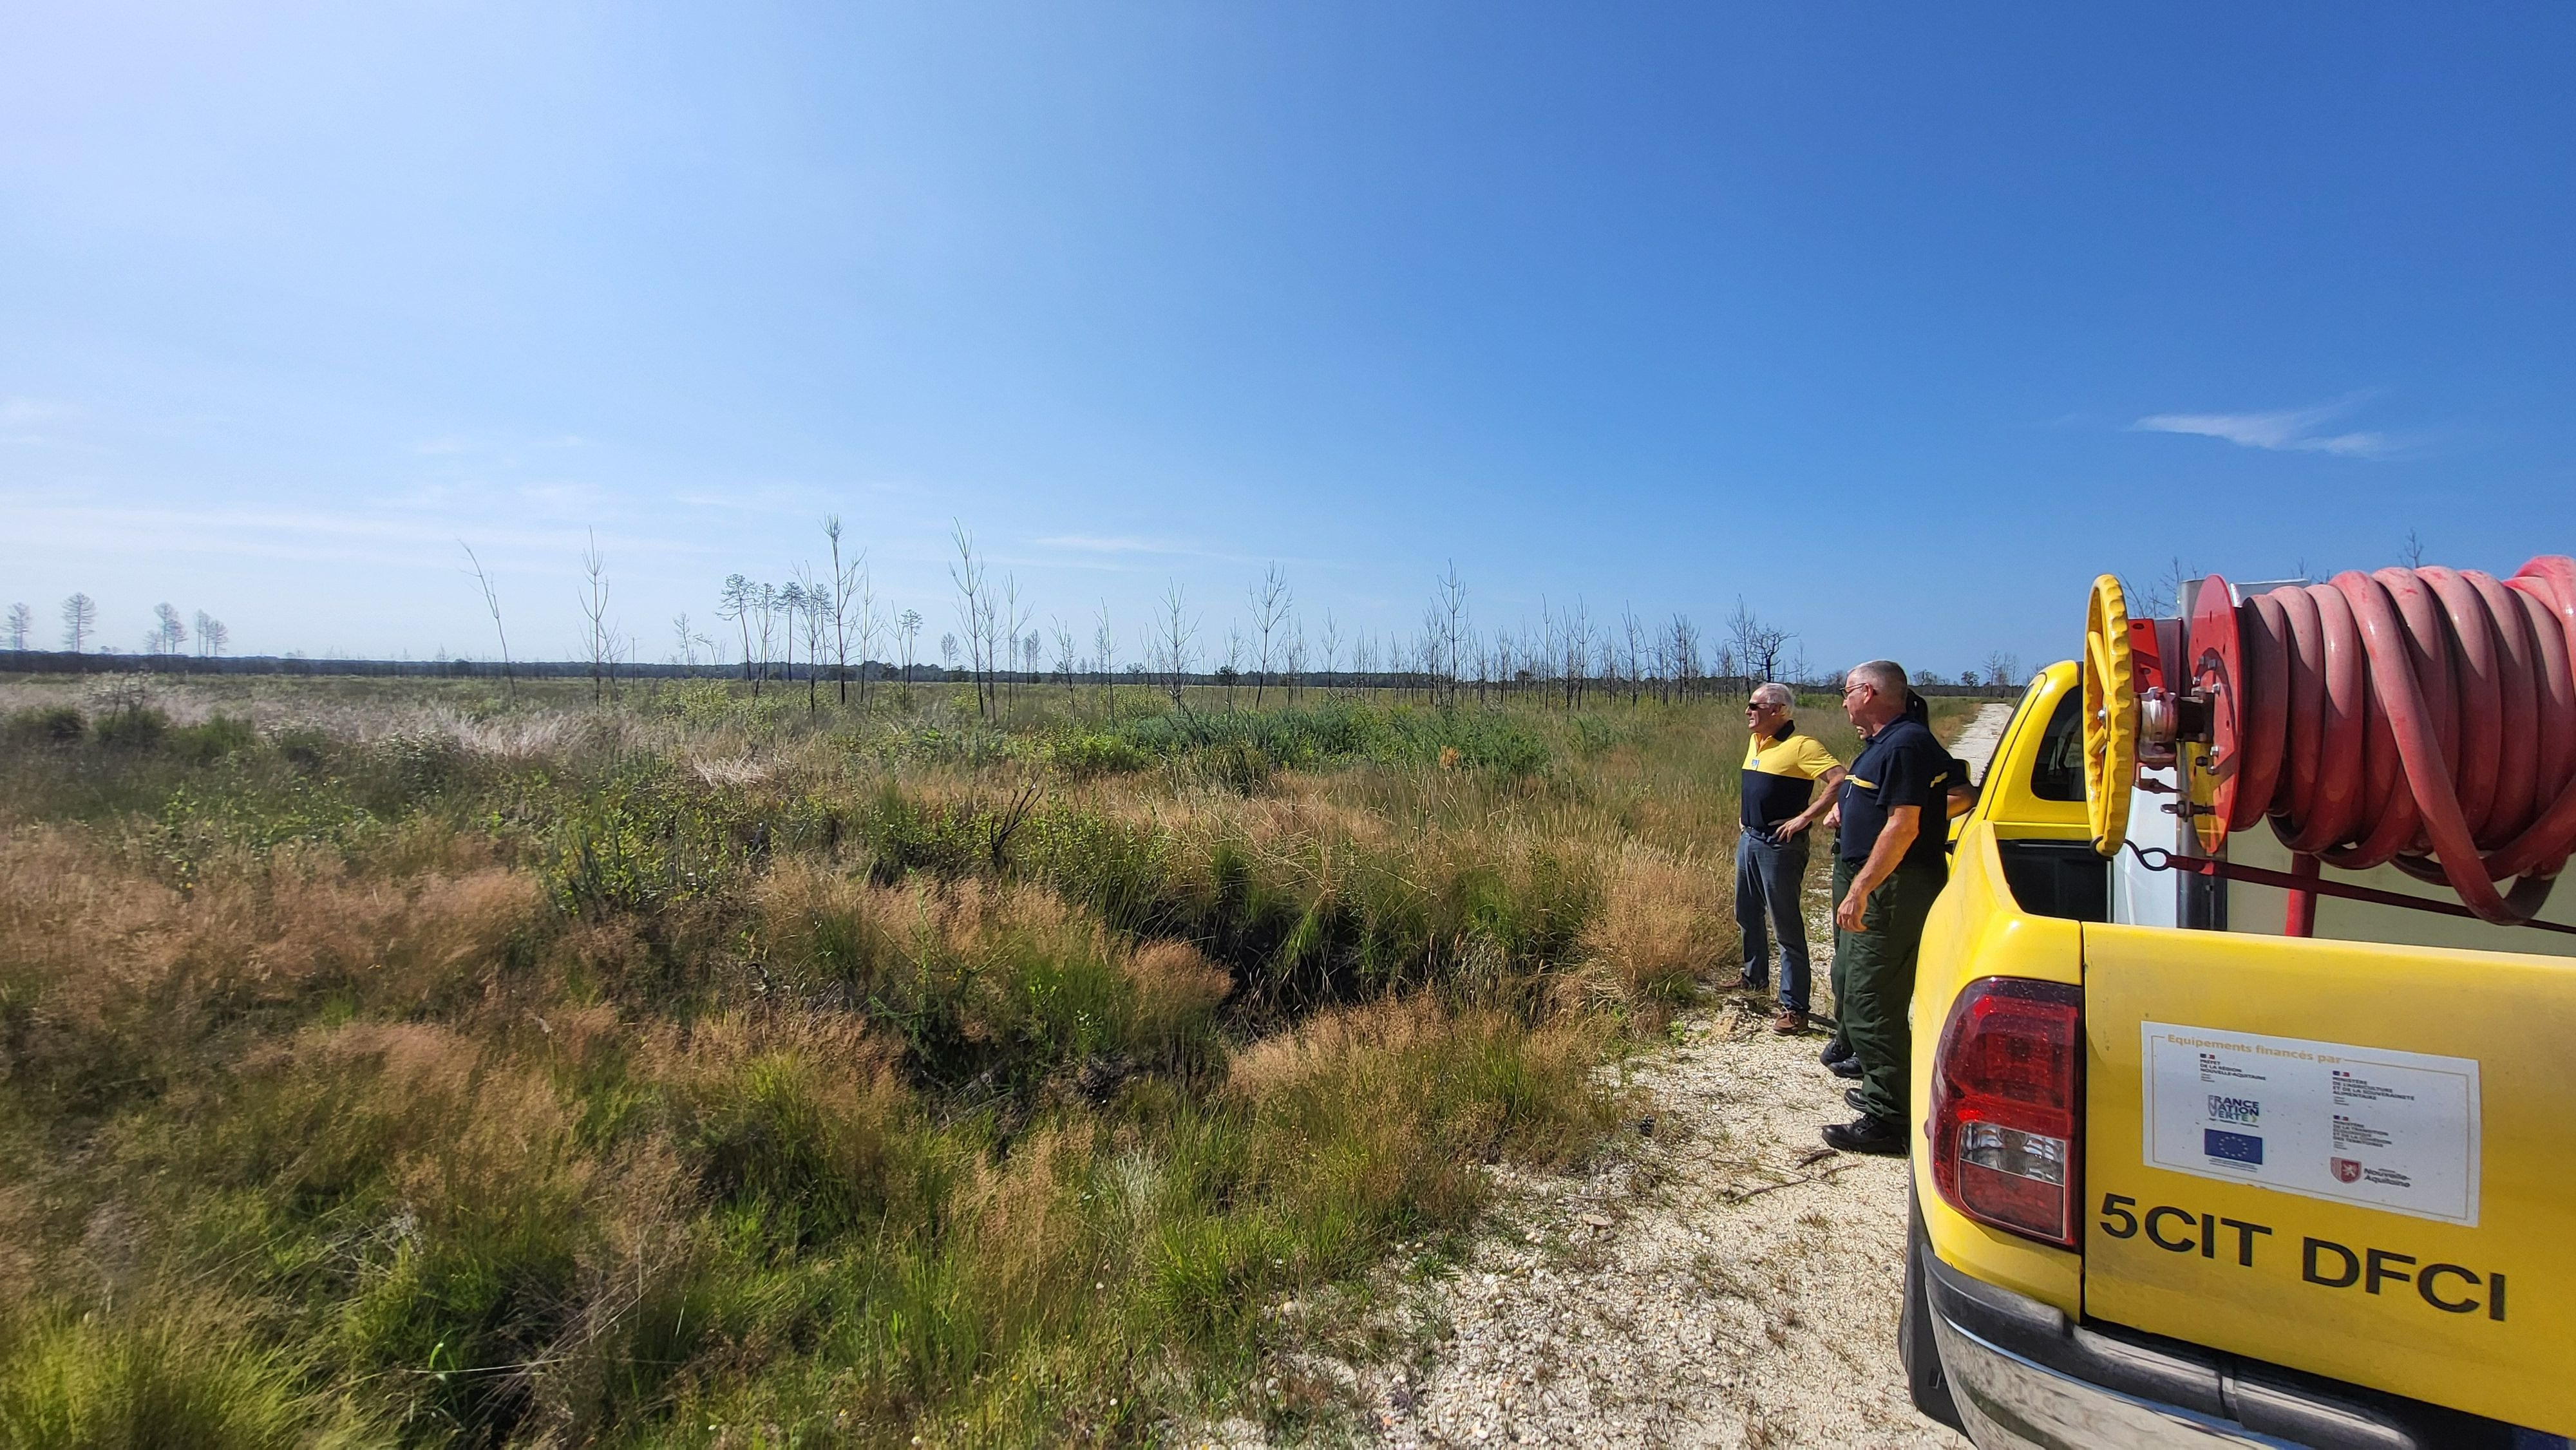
{"x": 1770, "y": 878}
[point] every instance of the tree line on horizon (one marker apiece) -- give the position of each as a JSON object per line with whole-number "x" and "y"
{"x": 826, "y": 627}
{"x": 168, "y": 635}
{"x": 832, "y": 622}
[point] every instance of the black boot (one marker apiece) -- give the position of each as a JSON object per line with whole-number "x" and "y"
{"x": 1848, "y": 1067}
{"x": 1867, "y": 1134}
{"x": 1835, "y": 1051}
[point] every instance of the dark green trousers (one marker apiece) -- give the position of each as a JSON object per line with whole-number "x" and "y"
{"x": 1873, "y": 977}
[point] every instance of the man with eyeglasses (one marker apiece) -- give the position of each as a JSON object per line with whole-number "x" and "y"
{"x": 1889, "y": 864}
{"x": 1780, "y": 801}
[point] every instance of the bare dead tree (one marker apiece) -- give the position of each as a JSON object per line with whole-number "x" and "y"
{"x": 1447, "y": 626}
{"x": 841, "y": 592}
{"x": 1232, "y": 670}
{"x": 1757, "y": 644}
{"x": 1177, "y": 640}
{"x": 1331, "y": 642}
{"x": 871, "y": 622}
{"x": 1295, "y": 657}
{"x": 766, "y": 600}
{"x": 594, "y": 609}
{"x": 687, "y": 656}
{"x": 822, "y": 612}
{"x": 1686, "y": 656}
{"x": 21, "y": 619}
{"x": 1064, "y": 655}
{"x": 211, "y": 636}
{"x": 2412, "y": 551}
{"x": 2003, "y": 669}
{"x": 974, "y": 609}
{"x": 907, "y": 630}
{"x": 492, "y": 603}
{"x": 168, "y": 631}
{"x": 1634, "y": 630}
{"x": 1104, "y": 648}
{"x": 1015, "y": 623}
{"x": 790, "y": 602}
{"x": 1270, "y": 603}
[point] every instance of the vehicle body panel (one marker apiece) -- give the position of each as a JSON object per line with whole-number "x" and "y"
{"x": 2232, "y": 1289}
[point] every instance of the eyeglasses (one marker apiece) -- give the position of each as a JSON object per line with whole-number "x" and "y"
{"x": 1851, "y": 690}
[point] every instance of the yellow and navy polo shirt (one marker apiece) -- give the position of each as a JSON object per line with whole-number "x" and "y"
{"x": 1780, "y": 777}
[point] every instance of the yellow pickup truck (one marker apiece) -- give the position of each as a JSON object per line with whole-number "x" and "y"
{"x": 2202, "y": 1156}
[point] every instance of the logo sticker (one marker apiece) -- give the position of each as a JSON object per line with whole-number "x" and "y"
{"x": 2234, "y": 1147}
{"x": 2371, "y": 1126}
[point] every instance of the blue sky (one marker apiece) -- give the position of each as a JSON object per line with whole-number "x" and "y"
{"x": 1899, "y": 322}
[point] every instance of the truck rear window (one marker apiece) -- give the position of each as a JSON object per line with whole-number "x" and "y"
{"x": 2059, "y": 773}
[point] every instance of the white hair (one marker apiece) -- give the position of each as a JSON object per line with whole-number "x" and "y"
{"x": 1772, "y": 693}
{"x": 1886, "y": 676}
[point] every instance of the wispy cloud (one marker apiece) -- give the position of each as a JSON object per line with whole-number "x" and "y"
{"x": 2289, "y": 430}
{"x": 19, "y": 412}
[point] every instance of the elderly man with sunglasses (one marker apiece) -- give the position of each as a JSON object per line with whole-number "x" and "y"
{"x": 1780, "y": 801}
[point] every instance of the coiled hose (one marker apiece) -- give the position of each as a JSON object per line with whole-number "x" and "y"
{"x": 2422, "y": 718}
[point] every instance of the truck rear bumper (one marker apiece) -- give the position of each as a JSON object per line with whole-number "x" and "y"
{"x": 2019, "y": 1374}
{"x": 2009, "y": 1402}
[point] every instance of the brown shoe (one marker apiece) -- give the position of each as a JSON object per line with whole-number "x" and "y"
{"x": 1789, "y": 1024}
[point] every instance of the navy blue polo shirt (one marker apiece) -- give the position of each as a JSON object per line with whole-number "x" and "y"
{"x": 1902, "y": 765}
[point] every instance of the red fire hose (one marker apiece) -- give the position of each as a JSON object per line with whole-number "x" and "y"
{"x": 2424, "y": 718}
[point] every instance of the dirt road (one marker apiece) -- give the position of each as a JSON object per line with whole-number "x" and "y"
{"x": 1733, "y": 1283}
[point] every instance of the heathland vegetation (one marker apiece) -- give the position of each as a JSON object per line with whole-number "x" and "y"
{"x": 407, "y": 1062}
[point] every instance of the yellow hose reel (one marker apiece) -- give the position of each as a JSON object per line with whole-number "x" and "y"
{"x": 2110, "y": 716}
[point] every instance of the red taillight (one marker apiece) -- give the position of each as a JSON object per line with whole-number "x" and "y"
{"x": 2007, "y": 1105}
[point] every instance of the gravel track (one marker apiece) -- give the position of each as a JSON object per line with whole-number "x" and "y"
{"x": 1732, "y": 1282}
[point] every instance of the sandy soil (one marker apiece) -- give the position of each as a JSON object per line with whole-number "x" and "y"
{"x": 1732, "y": 1283}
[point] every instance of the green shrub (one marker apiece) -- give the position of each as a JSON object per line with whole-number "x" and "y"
{"x": 48, "y": 725}
{"x": 132, "y": 727}
{"x": 211, "y": 740}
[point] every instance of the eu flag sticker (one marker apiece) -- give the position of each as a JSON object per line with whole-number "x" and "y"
{"x": 2234, "y": 1147}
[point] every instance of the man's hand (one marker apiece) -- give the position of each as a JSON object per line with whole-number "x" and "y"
{"x": 1884, "y": 853}
{"x": 1789, "y": 829}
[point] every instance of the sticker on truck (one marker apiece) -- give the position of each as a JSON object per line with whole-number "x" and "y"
{"x": 2364, "y": 1125}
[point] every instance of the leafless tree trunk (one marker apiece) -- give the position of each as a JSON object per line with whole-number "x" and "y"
{"x": 1447, "y": 625}
{"x": 22, "y": 619}
{"x": 1331, "y": 641}
{"x": 907, "y": 628}
{"x": 1296, "y": 657}
{"x": 1758, "y": 645}
{"x": 821, "y": 609}
{"x": 168, "y": 632}
{"x": 870, "y": 623}
{"x": 594, "y": 609}
{"x": 1104, "y": 647}
{"x": 2003, "y": 668}
{"x": 211, "y": 635}
{"x": 492, "y": 602}
{"x": 737, "y": 603}
{"x": 1177, "y": 643}
{"x": 1064, "y": 656}
{"x": 840, "y": 612}
{"x": 1270, "y": 601}
{"x": 1013, "y": 623}
{"x": 974, "y": 610}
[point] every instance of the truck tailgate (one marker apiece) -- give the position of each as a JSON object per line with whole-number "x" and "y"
{"x": 2352, "y": 1159}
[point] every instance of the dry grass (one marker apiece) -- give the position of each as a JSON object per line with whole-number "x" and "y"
{"x": 381, "y": 1062}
